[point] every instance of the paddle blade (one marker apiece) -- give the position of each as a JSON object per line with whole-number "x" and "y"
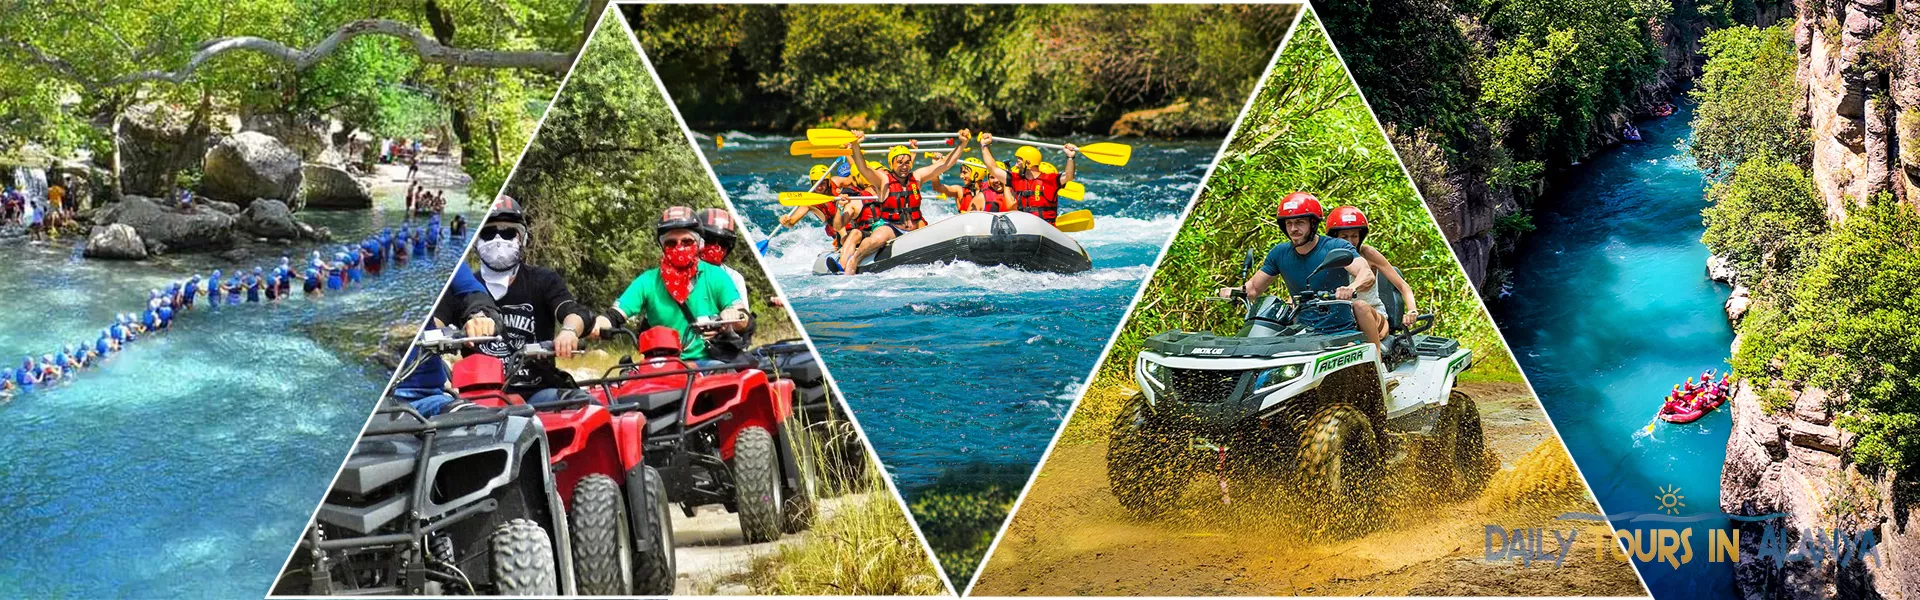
{"x": 1108, "y": 153}
{"x": 801, "y": 147}
{"x": 761, "y": 246}
{"x": 830, "y": 152}
{"x": 829, "y": 137}
{"x": 719, "y": 142}
{"x": 803, "y": 198}
{"x": 1073, "y": 190}
{"x": 1079, "y": 220}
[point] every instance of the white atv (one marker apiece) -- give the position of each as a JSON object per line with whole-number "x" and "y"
{"x": 1328, "y": 412}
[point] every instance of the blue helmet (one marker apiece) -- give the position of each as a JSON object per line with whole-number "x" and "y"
{"x": 216, "y": 274}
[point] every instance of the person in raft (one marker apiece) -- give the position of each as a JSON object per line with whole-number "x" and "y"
{"x": 1292, "y": 261}
{"x": 827, "y": 182}
{"x": 898, "y": 209}
{"x": 854, "y": 217}
{"x": 681, "y": 291}
{"x": 979, "y": 190}
{"x": 1348, "y": 223}
{"x": 1034, "y": 190}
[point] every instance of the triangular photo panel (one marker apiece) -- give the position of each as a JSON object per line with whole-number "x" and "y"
{"x": 610, "y": 397}
{"x": 1329, "y": 437}
{"x": 963, "y": 295}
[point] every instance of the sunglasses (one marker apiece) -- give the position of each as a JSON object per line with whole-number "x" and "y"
{"x": 680, "y": 243}
{"x": 505, "y": 233}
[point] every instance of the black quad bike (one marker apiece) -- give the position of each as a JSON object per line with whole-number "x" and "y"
{"x": 461, "y": 503}
{"x": 1329, "y": 412}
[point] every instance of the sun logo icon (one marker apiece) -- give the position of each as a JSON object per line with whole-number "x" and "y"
{"x": 1670, "y": 499}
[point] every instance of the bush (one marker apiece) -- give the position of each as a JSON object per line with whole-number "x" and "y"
{"x": 1766, "y": 219}
{"x": 1746, "y": 94}
{"x": 1852, "y": 327}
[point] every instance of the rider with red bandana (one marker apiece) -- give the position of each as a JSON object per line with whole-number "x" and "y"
{"x": 898, "y": 208}
{"x": 1034, "y": 190}
{"x": 683, "y": 290}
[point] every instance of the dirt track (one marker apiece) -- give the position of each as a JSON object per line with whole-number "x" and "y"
{"x": 1071, "y": 537}
{"x": 709, "y": 548}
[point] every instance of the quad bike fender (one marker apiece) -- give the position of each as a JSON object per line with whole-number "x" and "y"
{"x": 754, "y": 405}
{"x": 582, "y": 442}
{"x": 635, "y": 489}
{"x": 629, "y": 435}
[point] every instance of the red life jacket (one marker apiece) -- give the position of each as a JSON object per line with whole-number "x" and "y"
{"x": 1038, "y": 196}
{"x": 901, "y": 204}
{"x": 990, "y": 200}
{"x": 830, "y": 210}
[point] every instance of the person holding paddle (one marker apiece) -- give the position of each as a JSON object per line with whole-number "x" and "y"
{"x": 1034, "y": 191}
{"x": 898, "y": 208}
{"x": 828, "y": 183}
{"x": 978, "y": 190}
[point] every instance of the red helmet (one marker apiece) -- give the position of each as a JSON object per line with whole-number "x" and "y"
{"x": 1301, "y": 204}
{"x": 1347, "y": 217}
{"x": 659, "y": 341}
{"x": 677, "y": 217}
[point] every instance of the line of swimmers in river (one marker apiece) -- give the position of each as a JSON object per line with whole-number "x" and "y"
{"x": 349, "y": 265}
{"x": 860, "y": 228}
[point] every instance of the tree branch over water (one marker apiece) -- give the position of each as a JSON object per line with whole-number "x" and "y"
{"x": 430, "y": 51}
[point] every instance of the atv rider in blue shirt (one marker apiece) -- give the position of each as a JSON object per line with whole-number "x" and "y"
{"x": 1300, "y": 215}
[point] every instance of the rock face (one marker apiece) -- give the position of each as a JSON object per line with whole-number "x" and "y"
{"x": 116, "y": 241}
{"x": 332, "y": 187}
{"x": 1720, "y": 268}
{"x": 1737, "y": 305}
{"x": 249, "y": 165}
{"x": 169, "y": 229}
{"x": 270, "y": 219}
{"x": 1864, "y": 118}
{"x": 1795, "y": 462}
{"x": 157, "y": 141}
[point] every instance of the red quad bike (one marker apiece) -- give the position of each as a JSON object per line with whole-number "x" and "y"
{"x": 616, "y": 504}
{"x": 720, "y": 435}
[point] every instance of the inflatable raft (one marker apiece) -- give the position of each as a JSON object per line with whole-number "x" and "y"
{"x": 1714, "y": 397}
{"x": 1014, "y": 239}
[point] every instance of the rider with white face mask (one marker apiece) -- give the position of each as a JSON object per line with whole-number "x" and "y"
{"x": 534, "y": 303}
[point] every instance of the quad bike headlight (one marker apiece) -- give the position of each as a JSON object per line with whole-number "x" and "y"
{"x": 1155, "y": 372}
{"x": 1278, "y": 375}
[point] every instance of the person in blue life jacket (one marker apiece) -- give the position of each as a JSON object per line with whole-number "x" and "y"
{"x": 256, "y": 285}
{"x": 165, "y": 314}
{"x": 188, "y": 291}
{"x": 398, "y": 247}
{"x": 150, "y": 320}
{"x": 371, "y": 249}
{"x": 7, "y": 387}
{"x": 337, "y": 272}
{"x": 419, "y": 242}
{"x": 433, "y": 233}
{"x": 105, "y": 344}
{"x": 63, "y": 359}
{"x": 91, "y": 355}
{"x": 468, "y": 306}
{"x": 356, "y": 267}
{"x": 27, "y": 375}
{"x": 313, "y": 286}
{"x": 214, "y": 296}
{"x": 236, "y": 289}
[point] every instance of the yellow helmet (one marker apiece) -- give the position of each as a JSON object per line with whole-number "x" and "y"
{"x": 897, "y": 151}
{"x": 875, "y": 165}
{"x": 816, "y": 173}
{"x": 1047, "y": 167}
{"x": 1001, "y": 163}
{"x": 972, "y": 165}
{"x": 1028, "y": 154}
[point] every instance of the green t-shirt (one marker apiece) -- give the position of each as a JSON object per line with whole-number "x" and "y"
{"x": 647, "y": 298}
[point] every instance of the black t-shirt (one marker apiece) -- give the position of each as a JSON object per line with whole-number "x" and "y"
{"x": 536, "y": 303}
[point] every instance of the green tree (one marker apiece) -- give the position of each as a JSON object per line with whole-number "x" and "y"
{"x": 1853, "y": 328}
{"x": 608, "y": 160}
{"x": 1746, "y": 93}
{"x": 1767, "y": 219}
{"x": 1558, "y": 65}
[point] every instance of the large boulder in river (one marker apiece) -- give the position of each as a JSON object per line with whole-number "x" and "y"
{"x": 332, "y": 187}
{"x": 116, "y": 241}
{"x": 249, "y": 165}
{"x": 156, "y": 141}
{"x": 270, "y": 218}
{"x": 170, "y": 228}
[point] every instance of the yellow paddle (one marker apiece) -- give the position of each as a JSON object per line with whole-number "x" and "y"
{"x": 810, "y": 198}
{"x": 802, "y": 147}
{"x": 1106, "y": 153}
{"x": 840, "y": 137}
{"x": 1074, "y": 190}
{"x": 1079, "y": 220}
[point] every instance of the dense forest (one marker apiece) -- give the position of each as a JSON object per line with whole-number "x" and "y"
{"x": 1488, "y": 99}
{"x": 1179, "y": 69}
{"x": 129, "y": 84}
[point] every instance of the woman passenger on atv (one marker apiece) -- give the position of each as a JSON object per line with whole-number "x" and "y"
{"x": 684, "y": 289}
{"x": 534, "y": 302}
{"x": 1305, "y": 249}
{"x": 1348, "y": 223}
{"x": 899, "y": 206}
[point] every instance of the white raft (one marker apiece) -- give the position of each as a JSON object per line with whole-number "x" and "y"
{"x": 1015, "y": 239}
